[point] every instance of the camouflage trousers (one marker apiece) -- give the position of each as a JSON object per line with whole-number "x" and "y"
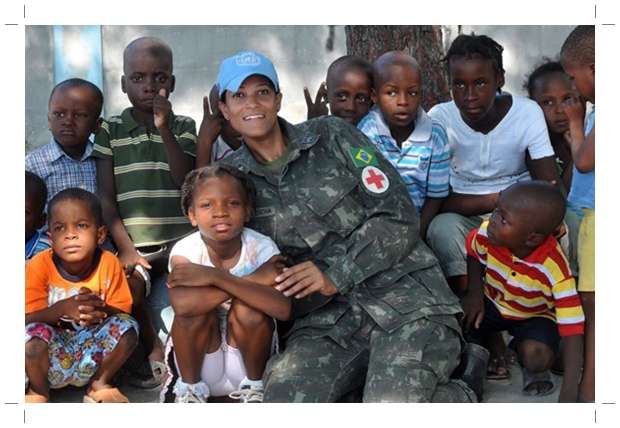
{"x": 411, "y": 364}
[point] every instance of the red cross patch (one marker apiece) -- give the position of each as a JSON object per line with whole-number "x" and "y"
{"x": 375, "y": 180}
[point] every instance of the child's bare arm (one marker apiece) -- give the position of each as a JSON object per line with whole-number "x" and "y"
{"x": 190, "y": 301}
{"x": 469, "y": 205}
{"x": 106, "y": 189}
{"x": 582, "y": 146}
{"x": 180, "y": 163}
{"x": 430, "y": 209}
{"x": 582, "y": 150}
{"x": 319, "y": 106}
{"x": 572, "y": 355}
{"x": 265, "y": 299}
{"x": 210, "y": 128}
{"x": 473, "y": 301}
{"x": 544, "y": 169}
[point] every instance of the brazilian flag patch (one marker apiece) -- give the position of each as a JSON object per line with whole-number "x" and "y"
{"x": 363, "y": 157}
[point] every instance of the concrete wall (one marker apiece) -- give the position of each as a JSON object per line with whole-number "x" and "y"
{"x": 298, "y": 52}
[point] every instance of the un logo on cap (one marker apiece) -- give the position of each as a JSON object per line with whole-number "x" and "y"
{"x": 247, "y": 59}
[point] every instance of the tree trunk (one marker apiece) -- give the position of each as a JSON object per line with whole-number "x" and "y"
{"x": 423, "y": 42}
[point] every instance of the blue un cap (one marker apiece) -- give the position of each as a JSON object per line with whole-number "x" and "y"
{"x": 235, "y": 69}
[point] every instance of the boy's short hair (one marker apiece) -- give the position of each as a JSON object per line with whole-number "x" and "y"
{"x": 76, "y": 82}
{"x": 544, "y": 203}
{"x": 578, "y": 48}
{"x": 547, "y": 67}
{"x": 198, "y": 176}
{"x": 392, "y": 58}
{"x": 476, "y": 46}
{"x": 349, "y": 62}
{"x": 36, "y": 189}
{"x": 77, "y": 194}
{"x": 154, "y": 46}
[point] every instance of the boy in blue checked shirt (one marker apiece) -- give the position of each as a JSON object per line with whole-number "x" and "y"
{"x": 36, "y": 195}
{"x": 415, "y": 144}
{"x": 73, "y": 115}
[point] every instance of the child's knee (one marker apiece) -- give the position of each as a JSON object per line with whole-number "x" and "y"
{"x": 535, "y": 356}
{"x": 129, "y": 339}
{"x": 245, "y": 317}
{"x": 36, "y": 348}
{"x": 207, "y": 321}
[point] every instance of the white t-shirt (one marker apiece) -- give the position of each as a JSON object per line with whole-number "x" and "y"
{"x": 256, "y": 250}
{"x": 480, "y": 163}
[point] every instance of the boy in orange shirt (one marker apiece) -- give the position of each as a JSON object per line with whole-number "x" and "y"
{"x": 78, "y": 331}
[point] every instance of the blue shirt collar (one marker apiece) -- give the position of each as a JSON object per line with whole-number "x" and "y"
{"x": 421, "y": 133}
{"x": 55, "y": 152}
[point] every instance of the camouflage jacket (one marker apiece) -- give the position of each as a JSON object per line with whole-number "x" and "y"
{"x": 318, "y": 208}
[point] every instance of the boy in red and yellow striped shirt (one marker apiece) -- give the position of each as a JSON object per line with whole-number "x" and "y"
{"x": 519, "y": 281}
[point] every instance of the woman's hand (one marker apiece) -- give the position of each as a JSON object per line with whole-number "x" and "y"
{"x": 304, "y": 279}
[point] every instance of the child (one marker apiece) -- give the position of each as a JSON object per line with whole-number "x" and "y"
{"x": 67, "y": 160}
{"x": 36, "y": 196}
{"x": 552, "y": 89}
{"x": 349, "y": 82}
{"x": 78, "y": 331}
{"x": 142, "y": 158}
{"x": 528, "y": 287}
{"x": 577, "y": 57}
{"x": 223, "y": 328}
{"x": 399, "y": 127}
{"x": 216, "y": 138}
{"x": 490, "y": 135}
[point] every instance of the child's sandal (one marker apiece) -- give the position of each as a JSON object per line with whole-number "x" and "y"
{"x": 498, "y": 369}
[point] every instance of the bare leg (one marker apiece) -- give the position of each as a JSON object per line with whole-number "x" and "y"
{"x": 112, "y": 362}
{"x": 148, "y": 337}
{"x": 586, "y": 387}
{"x": 498, "y": 365}
{"x": 193, "y": 337}
{"x": 251, "y": 331}
{"x": 37, "y": 366}
{"x": 536, "y": 357}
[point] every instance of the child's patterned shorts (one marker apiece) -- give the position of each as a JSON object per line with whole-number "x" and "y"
{"x": 75, "y": 355}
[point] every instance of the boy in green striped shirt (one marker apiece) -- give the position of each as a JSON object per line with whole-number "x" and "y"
{"x": 142, "y": 158}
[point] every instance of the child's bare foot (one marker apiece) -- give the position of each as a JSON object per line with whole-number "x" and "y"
{"x": 537, "y": 383}
{"x": 498, "y": 368}
{"x": 156, "y": 360}
{"x": 34, "y": 397}
{"x": 103, "y": 393}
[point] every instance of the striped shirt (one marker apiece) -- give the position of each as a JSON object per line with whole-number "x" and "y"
{"x": 423, "y": 160}
{"x": 60, "y": 171}
{"x": 149, "y": 202}
{"x": 37, "y": 243}
{"x": 541, "y": 285}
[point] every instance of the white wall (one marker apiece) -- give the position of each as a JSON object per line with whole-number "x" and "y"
{"x": 298, "y": 53}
